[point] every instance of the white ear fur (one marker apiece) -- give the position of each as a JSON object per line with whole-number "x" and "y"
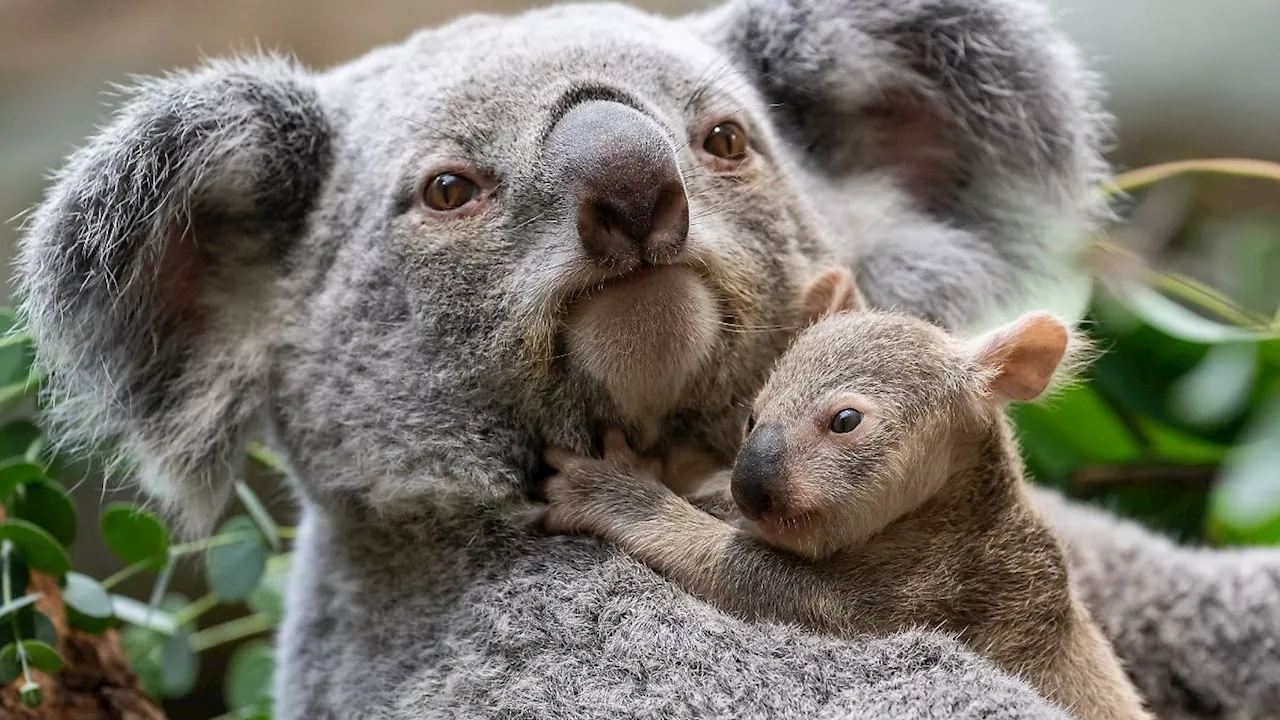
{"x": 1020, "y": 359}
{"x": 830, "y": 293}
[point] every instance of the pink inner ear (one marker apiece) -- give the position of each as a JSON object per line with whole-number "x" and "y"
{"x": 832, "y": 292}
{"x": 1025, "y": 356}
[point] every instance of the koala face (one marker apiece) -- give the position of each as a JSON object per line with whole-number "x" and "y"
{"x": 413, "y": 271}
{"x": 855, "y": 428}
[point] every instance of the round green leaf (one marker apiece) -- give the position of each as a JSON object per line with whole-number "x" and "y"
{"x": 18, "y": 471}
{"x": 40, "y": 656}
{"x": 10, "y": 667}
{"x": 17, "y": 437}
{"x": 268, "y": 597}
{"x": 37, "y": 547}
{"x": 47, "y": 505}
{"x": 1245, "y": 504}
{"x": 135, "y": 535}
{"x": 179, "y": 666}
{"x": 88, "y": 605}
{"x": 234, "y": 569}
{"x": 32, "y": 625}
{"x": 142, "y": 648}
{"x": 249, "y": 676}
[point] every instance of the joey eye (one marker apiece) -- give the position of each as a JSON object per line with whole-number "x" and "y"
{"x": 727, "y": 140}
{"x": 845, "y": 421}
{"x": 449, "y": 191}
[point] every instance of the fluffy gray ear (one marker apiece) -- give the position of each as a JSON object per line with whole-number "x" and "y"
{"x": 148, "y": 274}
{"x": 951, "y": 94}
{"x": 979, "y": 109}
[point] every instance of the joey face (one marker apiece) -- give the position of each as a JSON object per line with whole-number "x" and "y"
{"x": 853, "y": 430}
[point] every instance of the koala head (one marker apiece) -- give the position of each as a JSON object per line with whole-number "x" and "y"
{"x": 412, "y": 271}
{"x": 869, "y": 414}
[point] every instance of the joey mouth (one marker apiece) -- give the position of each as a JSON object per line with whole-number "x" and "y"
{"x": 643, "y": 334}
{"x": 794, "y": 531}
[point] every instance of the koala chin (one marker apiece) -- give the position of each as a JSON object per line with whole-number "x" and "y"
{"x": 644, "y": 337}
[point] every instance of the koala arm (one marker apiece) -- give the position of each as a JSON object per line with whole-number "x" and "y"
{"x": 1198, "y": 629}
{"x": 619, "y": 499}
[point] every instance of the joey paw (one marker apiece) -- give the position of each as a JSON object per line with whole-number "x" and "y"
{"x": 586, "y": 494}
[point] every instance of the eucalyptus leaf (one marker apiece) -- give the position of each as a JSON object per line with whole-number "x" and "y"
{"x": 179, "y": 666}
{"x": 40, "y": 656}
{"x": 39, "y": 550}
{"x": 233, "y": 570}
{"x": 142, "y": 648}
{"x": 18, "y": 471}
{"x": 32, "y": 625}
{"x": 1218, "y": 389}
{"x": 269, "y": 596}
{"x": 249, "y": 676}
{"x": 47, "y": 505}
{"x": 136, "y": 535}
{"x": 88, "y": 605}
{"x": 1245, "y": 504}
{"x": 1170, "y": 317}
{"x": 17, "y": 437}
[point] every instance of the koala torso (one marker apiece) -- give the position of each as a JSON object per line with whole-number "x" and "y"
{"x": 411, "y": 273}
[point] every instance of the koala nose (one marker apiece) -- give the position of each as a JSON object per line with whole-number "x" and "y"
{"x": 756, "y": 477}
{"x": 624, "y": 183}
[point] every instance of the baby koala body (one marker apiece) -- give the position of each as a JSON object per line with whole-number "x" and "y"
{"x": 879, "y": 488}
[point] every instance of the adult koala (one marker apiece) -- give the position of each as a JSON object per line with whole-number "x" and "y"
{"x": 416, "y": 270}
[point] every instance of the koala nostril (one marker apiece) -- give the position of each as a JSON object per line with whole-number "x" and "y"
{"x": 626, "y": 185}
{"x": 758, "y": 470}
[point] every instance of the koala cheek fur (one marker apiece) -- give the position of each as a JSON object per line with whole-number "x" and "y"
{"x": 244, "y": 250}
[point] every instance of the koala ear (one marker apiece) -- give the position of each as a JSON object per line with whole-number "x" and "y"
{"x": 968, "y": 103}
{"x": 147, "y": 276}
{"x": 1018, "y": 361}
{"x": 830, "y": 293}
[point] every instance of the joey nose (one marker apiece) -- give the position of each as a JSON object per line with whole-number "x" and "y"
{"x": 623, "y": 183}
{"x": 756, "y": 480}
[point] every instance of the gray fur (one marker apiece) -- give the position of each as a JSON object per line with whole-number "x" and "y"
{"x": 411, "y": 368}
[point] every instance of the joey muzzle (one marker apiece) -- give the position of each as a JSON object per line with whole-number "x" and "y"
{"x": 757, "y": 477}
{"x": 622, "y": 180}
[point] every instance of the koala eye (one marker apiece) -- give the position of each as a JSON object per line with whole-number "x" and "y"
{"x": 449, "y": 191}
{"x": 845, "y": 421}
{"x": 727, "y": 140}
{"x": 751, "y": 423}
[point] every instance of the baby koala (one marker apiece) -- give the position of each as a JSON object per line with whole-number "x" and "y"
{"x": 880, "y": 489}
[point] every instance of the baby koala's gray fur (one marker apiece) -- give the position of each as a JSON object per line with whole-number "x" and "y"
{"x": 917, "y": 517}
{"x": 244, "y": 248}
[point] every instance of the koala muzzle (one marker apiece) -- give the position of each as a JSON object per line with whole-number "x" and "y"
{"x": 621, "y": 172}
{"x": 757, "y": 479}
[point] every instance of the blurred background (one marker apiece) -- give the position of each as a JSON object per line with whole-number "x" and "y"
{"x": 1178, "y": 424}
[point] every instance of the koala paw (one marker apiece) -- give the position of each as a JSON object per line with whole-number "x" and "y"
{"x": 595, "y": 495}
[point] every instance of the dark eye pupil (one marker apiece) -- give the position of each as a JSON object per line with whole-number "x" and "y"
{"x": 845, "y": 420}
{"x": 449, "y": 192}
{"x": 726, "y": 140}
{"x": 751, "y": 423}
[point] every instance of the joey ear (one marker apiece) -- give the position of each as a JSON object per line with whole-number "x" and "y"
{"x": 830, "y": 293}
{"x": 148, "y": 272}
{"x": 1020, "y": 358}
